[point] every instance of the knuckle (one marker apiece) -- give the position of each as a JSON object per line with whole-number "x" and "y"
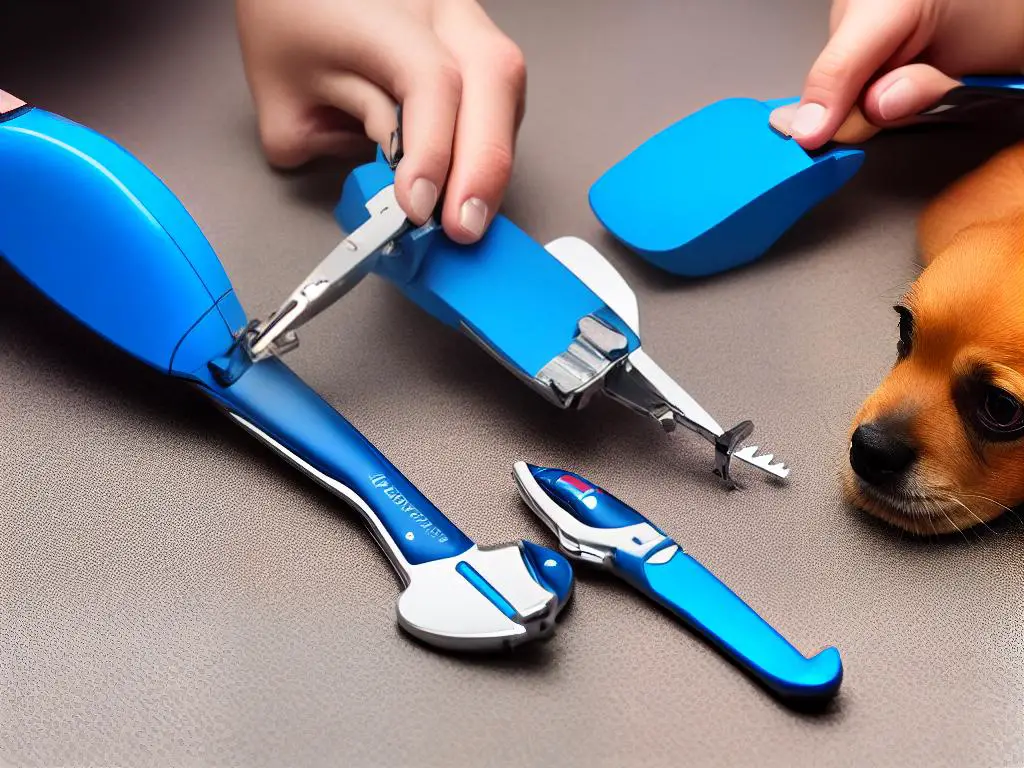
{"x": 510, "y": 63}
{"x": 833, "y": 66}
{"x": 831, "y": 72}
{"x": 434, "y": 160}
{"x": 284, "y": 143}
{"x": 495, "y": 159}
{"x": 449, "y": 77}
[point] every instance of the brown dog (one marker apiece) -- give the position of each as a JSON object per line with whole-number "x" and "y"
{"x": 939, "y": 446}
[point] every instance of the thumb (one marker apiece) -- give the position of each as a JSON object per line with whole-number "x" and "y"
{"x": 904, "y": 93}
{"x": 868, "y": 35}
{"x": 855, "y": 129}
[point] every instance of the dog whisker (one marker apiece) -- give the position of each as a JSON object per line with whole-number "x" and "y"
{"x": 990, "y": 501}
{"x": 971, "y": 512}
{"x": 953, "y": 525}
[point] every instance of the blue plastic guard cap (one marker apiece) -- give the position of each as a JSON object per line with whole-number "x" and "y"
{"x": 715, "y": 190}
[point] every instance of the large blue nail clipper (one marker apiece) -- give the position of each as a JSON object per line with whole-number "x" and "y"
{"x": 594, "y": 527}
{"x": 101, "y": 236}
{"x": 715, "y": 190}
{"x": 560, "y": 317}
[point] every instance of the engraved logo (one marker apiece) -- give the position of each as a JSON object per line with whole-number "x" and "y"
{"x": 419, "y": 519}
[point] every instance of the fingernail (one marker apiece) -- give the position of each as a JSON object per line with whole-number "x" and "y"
{"x": 782, "y": 119}
{"x": 898, "y": 100}
{"x": 9, "y": 102}
{"x": 807, "y": 120}
{"x": 473, "y": 216}
{"x": 423, "y": 198}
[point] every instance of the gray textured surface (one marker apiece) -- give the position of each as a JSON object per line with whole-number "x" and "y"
{"x": 174, "y": 596}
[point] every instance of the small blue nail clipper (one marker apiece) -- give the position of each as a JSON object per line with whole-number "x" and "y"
{"x": 101, "y": 236}
{"x": 560, "y": 317}
{"x": 592, "y": 526}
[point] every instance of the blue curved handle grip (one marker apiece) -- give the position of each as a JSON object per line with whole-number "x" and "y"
{"x": 715, "y": 190}
{"x": 507, "y": 289}
{"x": 587, "y": 502}
{"x": 271, "y": 397}
{"x": 99, "y": 234}
{"x": 693, "y": 593}
{"x": 103, "y": 237}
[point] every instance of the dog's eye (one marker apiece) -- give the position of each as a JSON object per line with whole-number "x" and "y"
{"x": 1000, "y": 412}
{"x": 906, "y": 331}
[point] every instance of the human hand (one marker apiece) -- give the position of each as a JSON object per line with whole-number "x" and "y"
{"x": 888, "y": 60}
{"x": 326, "y": 74}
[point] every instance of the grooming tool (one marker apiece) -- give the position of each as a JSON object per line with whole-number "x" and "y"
{"x": 348, "y": 263}
{"x": 717, "y": 189}
{"x": 592, "y": 526}
{"x": 104, "y": 239}
{"x": 561, "y": 318}
{"x": 976, "y": 97}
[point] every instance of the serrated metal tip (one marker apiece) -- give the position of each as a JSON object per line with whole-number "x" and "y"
{"x": 763, "y": 462}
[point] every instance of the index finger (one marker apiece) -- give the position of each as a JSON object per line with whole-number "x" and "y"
{"x": 412, "y": 64}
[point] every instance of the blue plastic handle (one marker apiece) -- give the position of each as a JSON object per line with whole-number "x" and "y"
{"x": 103, "y": 237}
{"x": 100, "y": 235}
{"x": 696, "y": 596}
{"x": 271, "y": 397}
{"x": 587, "y": 502}
{"x": 506, "y": 289}
{"x": 675, "y": 580}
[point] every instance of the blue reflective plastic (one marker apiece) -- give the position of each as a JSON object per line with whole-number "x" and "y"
{"x": 481, "y": 585}
{"x": 1012, "y": 82}
{"x": 273, "y": 398}
{"x": 101, "y": 236}
{"x": 715, "y": 190}
{"x": 507, "y": 289}
{"x": 548, "y": 568}
{"x": 696, "y": 595}
{"x": 595, "y": 507}
{"x": 96, "y": 231}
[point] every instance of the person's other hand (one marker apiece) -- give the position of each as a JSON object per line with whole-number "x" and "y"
{"x": 888, "y": 60}
{"x": 326, "y": 74}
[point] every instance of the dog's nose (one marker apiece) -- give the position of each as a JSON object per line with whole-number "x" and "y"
{"x": 880, "y": 454}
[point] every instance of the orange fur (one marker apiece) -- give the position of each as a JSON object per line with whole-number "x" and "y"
{"x": 968, "y": 307}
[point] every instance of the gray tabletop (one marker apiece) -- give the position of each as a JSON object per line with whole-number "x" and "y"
{"x": 173, "y": 595}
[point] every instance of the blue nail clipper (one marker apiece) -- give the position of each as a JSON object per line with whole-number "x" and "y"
{"x": 104, "y": 239}
{"x": 561, "y": 318}
{"x": 717, "y": 189}
{"x": 592, "y": 526}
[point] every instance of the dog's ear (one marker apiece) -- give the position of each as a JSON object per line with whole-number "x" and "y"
{"x": 993, "y": 192}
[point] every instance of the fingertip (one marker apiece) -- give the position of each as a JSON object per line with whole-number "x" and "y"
{"x": 781, "y": 118}
{"x": 416, "y": 193}
{"x": 808, "y": 124}
{"x": 905, "y": 93}
{"x": 466, "y": 222}
{"x": 856, "y": 129}
{"x": 9, "y": 102}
